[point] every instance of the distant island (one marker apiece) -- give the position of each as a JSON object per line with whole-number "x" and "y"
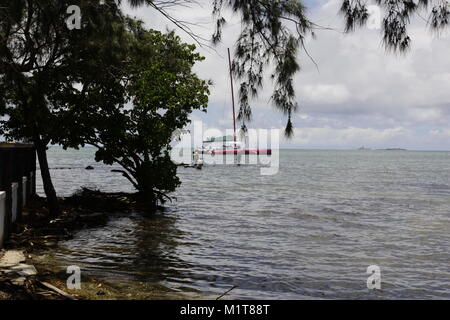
{"x": 388, "y": 149}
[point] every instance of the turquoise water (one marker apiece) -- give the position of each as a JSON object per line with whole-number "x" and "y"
{"x": 309, "y": 231}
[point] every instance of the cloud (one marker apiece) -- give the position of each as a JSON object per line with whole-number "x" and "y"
{"x": 360, "y": 94}
{"x": 325, "y": 93}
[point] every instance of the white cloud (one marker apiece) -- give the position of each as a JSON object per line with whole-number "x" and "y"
{"x": 360, "y": 95}
{"x": 325, "y": 93}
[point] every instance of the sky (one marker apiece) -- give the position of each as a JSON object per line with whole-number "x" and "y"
{"x": 358, "y": 95}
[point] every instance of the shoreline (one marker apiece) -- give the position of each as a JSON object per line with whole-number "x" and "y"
{"x": 36, "y": 236}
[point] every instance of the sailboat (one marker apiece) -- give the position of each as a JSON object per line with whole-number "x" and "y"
{"x": 229, "y": 144}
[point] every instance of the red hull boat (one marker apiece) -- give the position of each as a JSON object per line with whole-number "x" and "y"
{"x": 243, "y": 151}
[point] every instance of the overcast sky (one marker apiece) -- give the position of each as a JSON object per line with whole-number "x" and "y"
{"x": 360, "y": 95}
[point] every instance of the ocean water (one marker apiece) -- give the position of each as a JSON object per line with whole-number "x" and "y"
{"x": 310, "y": 231}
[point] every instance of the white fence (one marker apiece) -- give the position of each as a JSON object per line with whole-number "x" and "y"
{"x": 2, "y": 216}
{"x": 17, "y": 183}
{"x": 27, "y": 189}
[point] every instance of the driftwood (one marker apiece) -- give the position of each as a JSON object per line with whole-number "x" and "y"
{"x": 223, "y": 294}
{"x": 57, "y": 290}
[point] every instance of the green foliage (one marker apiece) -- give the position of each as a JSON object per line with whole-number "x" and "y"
{"x": 111, "y": 84}
{"x": 160, "y": 91}
{"x": 42, "y": 61}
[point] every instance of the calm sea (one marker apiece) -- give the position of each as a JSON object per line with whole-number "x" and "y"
{"x": 310, "y": 231}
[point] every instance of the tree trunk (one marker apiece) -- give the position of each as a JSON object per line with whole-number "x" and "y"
{"x": 52, "y": 200}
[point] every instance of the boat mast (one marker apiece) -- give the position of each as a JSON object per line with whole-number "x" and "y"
{"x": 232, "y": 97}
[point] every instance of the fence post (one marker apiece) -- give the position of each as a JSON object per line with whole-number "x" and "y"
{"x": 32, "y": 184}
{"x": 24, "y": 191}
{"x": 2, "y": 217}
{"x": 8, "y": 168}
{"x": 14, "y": 200}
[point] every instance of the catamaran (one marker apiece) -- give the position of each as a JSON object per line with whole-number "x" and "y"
{"x": 229, "y": 144}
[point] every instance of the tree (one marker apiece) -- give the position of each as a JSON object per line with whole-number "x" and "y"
{"x": 160, "y": 91}
{"x": 41, "y": 61}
